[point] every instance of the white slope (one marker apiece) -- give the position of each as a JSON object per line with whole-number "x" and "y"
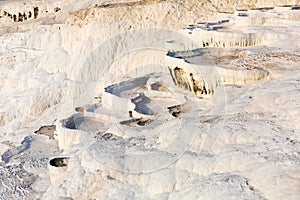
{"x": 193, "y": 102}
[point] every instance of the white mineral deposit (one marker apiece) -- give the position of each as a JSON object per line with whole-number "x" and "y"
{"x": 149, "y": 99}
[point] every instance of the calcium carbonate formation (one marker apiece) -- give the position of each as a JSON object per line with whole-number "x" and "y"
{"x": 203, "y": 107}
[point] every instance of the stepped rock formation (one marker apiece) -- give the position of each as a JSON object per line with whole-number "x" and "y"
{"x": 149, "y": 99}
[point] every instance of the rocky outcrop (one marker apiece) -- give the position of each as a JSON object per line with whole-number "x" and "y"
{"x": 47, "y": 130}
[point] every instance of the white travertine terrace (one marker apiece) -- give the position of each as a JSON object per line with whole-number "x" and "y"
{"x": 67, "y": 134}
{"x": 216, "y": 121}
{"x": 57, "y": 167}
